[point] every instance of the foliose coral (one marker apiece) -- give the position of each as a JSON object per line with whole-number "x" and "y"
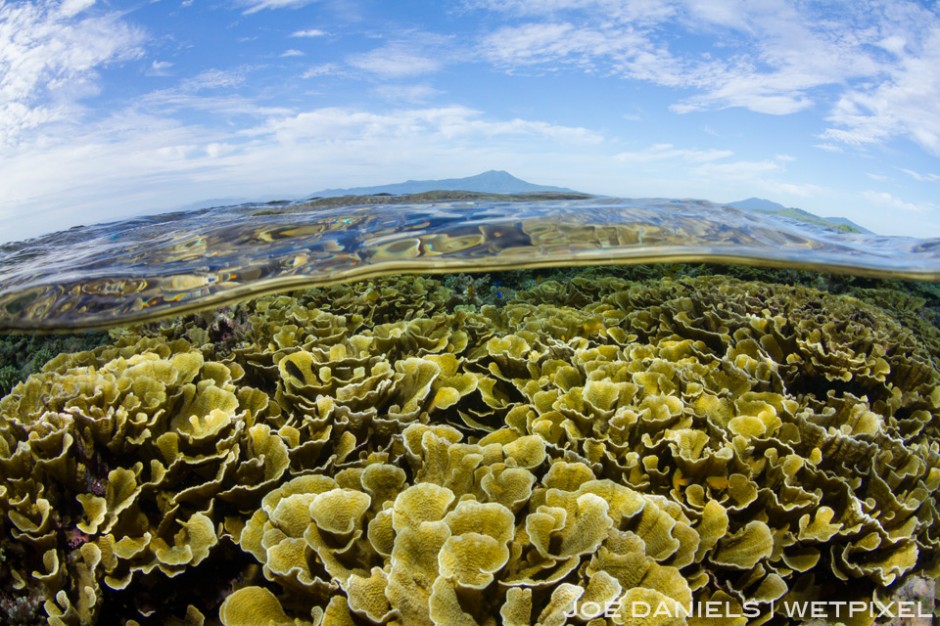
{"x": 393, "y": 453}
{"x": 22, "y": 355}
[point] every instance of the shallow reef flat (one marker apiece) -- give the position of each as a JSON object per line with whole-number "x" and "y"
{"x": 481, "y": 449}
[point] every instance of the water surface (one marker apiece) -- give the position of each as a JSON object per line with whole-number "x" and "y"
{"x": 138, "y": 269}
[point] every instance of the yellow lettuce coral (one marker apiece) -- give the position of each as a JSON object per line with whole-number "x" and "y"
{"x": 385, "y": 454}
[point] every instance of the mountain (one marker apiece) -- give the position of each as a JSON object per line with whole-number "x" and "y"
{"x": 493, "y": 181}
{"x": 758, "y": 204}
{"x": 844, "y": 221}
{"x": 761, "y": 205}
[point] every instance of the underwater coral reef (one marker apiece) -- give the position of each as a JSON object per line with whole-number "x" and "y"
{"x": 480, "y": 451}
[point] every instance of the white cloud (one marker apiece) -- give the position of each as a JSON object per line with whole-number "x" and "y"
{"x": 673, "y": 171}
{"x": 545, "y": 42}
{"x": 407, "y": 93}
{"x": 253, "y": 6}
{"x": 50, "y": 57}
{"x": 665, "y": 151}
{"x": 328, "y": 125}
{"x": 924, "y": 178}
{"x": 311, "y": 32}
{"x": 885, "y": 200}
{"x": 214, "y": 79}
{"x": 728, "y": 14}
{"x": 172, "y": 101}
{"x": 749, "y": 91}
{"x": 214, "y": 90}
{"x": 608, "y": 48}
{"x": 710, "y": 173}
{"x": 160, "y": 68}
{"x": 713, "y": 164}
{"x": 776, "y": 57}
{"x": 119, "y": 160}
{"x": 801, "y": 190}
{"x": 70, "y": 8}
{"x": 320, "y": 70}
{"x": 905, "y": 104}
{"x": 622, "y": 10}
{"x": 395, "y": 61}
{"x": 292, "y": 53}
{"x": 743, "y": 171}
{"x": 144, "y": 163}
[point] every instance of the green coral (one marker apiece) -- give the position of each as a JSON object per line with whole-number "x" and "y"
{"x": 418, "y": 451}
{"x": 25, "y": 354}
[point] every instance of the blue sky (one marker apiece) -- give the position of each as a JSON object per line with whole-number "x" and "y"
{"x": 114, "y": 108}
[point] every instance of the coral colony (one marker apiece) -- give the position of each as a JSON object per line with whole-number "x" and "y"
{"x": 704, "y": 449}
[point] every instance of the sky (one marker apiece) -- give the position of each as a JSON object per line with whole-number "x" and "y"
{"x": 116, "y": 108}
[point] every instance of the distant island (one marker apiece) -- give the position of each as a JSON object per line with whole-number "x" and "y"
{"x": 769, "y": 207}
{"x": 499, "y": 182}
{"x": 502, "y": 182}
{"x": 492, "y": 181}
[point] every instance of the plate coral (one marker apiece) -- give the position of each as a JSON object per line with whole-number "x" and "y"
{"x": 459, "y": 451}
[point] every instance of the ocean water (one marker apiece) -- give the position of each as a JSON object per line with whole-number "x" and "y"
{"x": 101, "y": 275}
{"x": 473, "y": 410}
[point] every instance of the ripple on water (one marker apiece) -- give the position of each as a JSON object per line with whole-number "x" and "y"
{"x": 139, "y": 269}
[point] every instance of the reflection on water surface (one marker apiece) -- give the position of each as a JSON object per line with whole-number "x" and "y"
{"x": 144, "y": 268}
